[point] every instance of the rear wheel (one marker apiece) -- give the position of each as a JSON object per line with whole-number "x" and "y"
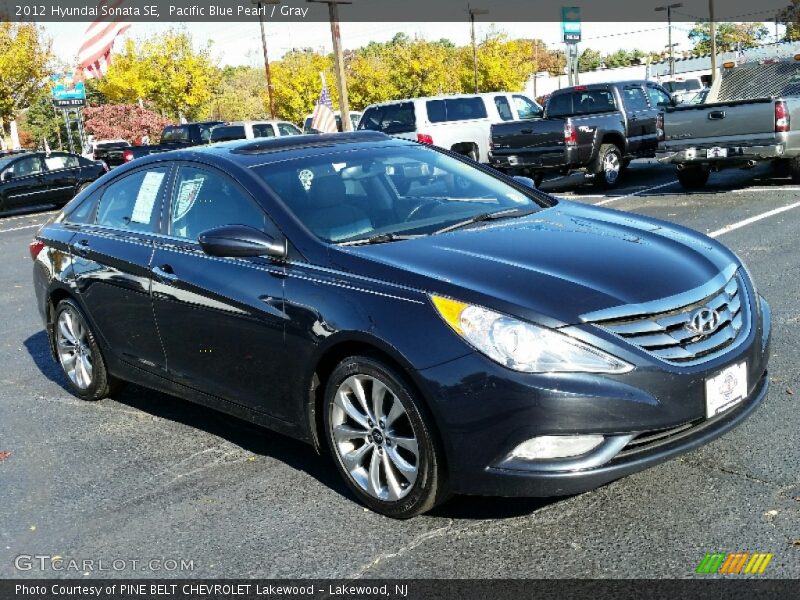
{"x": 79, "y": 354}
{"x": 609, "y": 166}
{"x": 381, "y": 439}
{"x": 692, "y": 178}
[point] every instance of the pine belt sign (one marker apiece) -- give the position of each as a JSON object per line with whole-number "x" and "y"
{"x": 571, "y": 24}
{"x": 67, "y": 92}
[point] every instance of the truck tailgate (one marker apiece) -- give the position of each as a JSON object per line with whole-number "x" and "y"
{"x": 540, "y": 140}
{"x": 744, "y": 122}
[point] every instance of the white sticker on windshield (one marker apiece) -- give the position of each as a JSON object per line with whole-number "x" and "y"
{"x": 186, "y": 197}
{"x": 146, "y": 198}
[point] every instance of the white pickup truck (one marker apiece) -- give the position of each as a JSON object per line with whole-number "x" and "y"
{"x": 747, "y": 118}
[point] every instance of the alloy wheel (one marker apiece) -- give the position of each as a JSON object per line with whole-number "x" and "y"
{"x": 611, "y": 167}
{"x": 72, "y": 344}
{"x": 374, "y": 438}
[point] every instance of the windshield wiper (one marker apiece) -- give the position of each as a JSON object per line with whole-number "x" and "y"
{"x": 381, "y": 238}
{"x": 509, "y": 213}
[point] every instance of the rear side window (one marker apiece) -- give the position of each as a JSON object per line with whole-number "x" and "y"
{"x": 456, "y": 109}
{"x": 634, "y": 98}
{"x": 56, "y": 162}
{"x": 560, "y": 105}
{"x": 261, "y": 130}
{"x": 503, "y": 107}
{"x": 131, "y": 203}
{"x": 390, "y": 119}
{"x": 289, "y": 129}
{"x": 228, "y": 132}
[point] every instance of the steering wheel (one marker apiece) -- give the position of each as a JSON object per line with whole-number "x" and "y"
{"x": 423, "y": 210}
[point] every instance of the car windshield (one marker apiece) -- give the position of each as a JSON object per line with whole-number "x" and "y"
{"x": 389, "y": 191}
{"x": 4, "y": 162}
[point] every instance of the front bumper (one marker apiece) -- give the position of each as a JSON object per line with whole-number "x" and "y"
{"x": 735, "y": 154}
{"x": 485, "y": 411}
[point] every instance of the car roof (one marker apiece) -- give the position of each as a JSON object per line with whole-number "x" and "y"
{"x": 258, "y": 122}
{"x": 447, "y": 97}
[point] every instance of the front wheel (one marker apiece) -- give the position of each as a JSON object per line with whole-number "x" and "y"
{"x": 692, "y": 178}
{"x": 381, "y": 439}
{"x": 609, "y": 166}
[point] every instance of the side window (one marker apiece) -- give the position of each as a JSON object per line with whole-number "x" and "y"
{"x": 30, "y": 165}
{"x": 658, "y": 97}
{"x": 261, "y": 130}
{"x": 289, "y": 129}
{"x": 203, "y": 200}
{"x": 131, "y": 203}
{"x": 559, "y": 105}
{"x": 634, "y": 98}
{"x": 390, "y": 119}
{"x": 503, "y": 107}
{"x": 526, "y": 108}
{"x": 205, "y": 133}
{"x": 55, "y": 162}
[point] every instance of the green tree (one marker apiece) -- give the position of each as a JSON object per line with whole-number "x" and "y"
{"x": 40, "y": 121}
{"x": 590, "y": 60}
{"x": 24, "y": 59}
{"x": 729, "y": 36}
{"x": 240, "y": 95}
{"x": 297, "y": 84}
{"x": 791, "y": 20}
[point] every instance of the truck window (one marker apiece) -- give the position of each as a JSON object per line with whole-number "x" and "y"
{"x": 658, "y": 98}
{"x": 526, "y": 108}
{"x": 175, "y": 133}
{"x": 226, "y": 133}
{"x": 503, "y": 108}
{"x": 560, "y": 105}
{"x": 634, "y": 99}
{"x": 456, "y": 109}
{"x": 390, "y": 119}
{"x": 262, "y": 130}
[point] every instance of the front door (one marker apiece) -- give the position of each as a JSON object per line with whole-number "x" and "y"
{"x": 23, "y": 183}
{"x": 221, "y": 319}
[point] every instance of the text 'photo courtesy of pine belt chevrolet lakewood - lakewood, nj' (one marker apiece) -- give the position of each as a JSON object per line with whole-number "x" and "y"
{"x": 437, "y": 326}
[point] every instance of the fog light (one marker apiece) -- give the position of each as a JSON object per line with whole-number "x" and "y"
{"x": 557, "y": 446}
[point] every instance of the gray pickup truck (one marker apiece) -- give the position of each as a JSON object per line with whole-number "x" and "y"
{"x": 747, "y": 118}
{"x": 597, "y": 128}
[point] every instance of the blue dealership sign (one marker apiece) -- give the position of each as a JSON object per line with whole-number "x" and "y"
{"x": 67, "y": 91}
{"x": 571, "y": 24}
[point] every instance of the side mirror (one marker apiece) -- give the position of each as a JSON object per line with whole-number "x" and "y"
{"x": 237, "y": 241}
{"x": 526, "y": 181}
{"x": 8, "y": 175}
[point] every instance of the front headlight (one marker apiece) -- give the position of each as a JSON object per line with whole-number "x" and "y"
{"x": 524, "y": 346}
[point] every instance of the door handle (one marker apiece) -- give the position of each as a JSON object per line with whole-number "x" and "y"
{"x": 526, "y": 131}
{"x": 81, "y": 247}
{"x": 716, "y": 115}
{"x": 164, "y": 274}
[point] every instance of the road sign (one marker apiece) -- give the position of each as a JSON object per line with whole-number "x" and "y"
{"x": 67, "y": 91}
{"x": 571, "y": 24}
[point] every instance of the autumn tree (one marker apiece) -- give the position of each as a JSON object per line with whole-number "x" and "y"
{"x": 297, "y": 83}
{"x": 123, "y": 121}
{"x": 41, "y": 121}
{"x": 24, "y": 58}
{"x": 729, "y": 36}
{"x": 165, "y": 70}
{"x": 240, "y": 95}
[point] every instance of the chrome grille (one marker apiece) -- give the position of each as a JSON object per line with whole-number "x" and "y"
{"x": 661, "y": 327}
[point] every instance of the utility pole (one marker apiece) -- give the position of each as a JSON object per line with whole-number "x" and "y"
{"x": 341, "y": 81}
{"x": 270, "y": 95}
{"x": 712, "y": 30}
{"x": 473, "y": 12}
{"x": 669, "y": 8}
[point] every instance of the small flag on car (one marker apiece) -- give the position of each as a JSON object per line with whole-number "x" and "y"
{"x": 324, "y": 119}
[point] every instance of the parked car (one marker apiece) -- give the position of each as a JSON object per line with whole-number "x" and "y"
{"x": 109, "y": 151}
{"x": 355, "y": 117}
{"x": 32, "y": 179}
{"x": 249, "y": 130}
{"x": 747, "y": 118}
{"x": 174, "y": 137}
{"x": 682, "y": 88}
{"x": 597, "y": 129}
{"x": 459, "y": 123}
{"x": 472, "y": 335}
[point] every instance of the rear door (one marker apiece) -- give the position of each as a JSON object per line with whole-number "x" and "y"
{"x": 24, "y": 183}
{"x": 221, "y": 319}
{"x": 640, "y": 117}
{"x": 112, "y": 265}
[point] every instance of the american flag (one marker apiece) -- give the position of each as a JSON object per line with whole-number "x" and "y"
{"x": 323, "y": 119}
{"x": 94, "y": 55}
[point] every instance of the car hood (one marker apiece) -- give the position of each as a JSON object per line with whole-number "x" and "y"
{"x": 555, "y": 265}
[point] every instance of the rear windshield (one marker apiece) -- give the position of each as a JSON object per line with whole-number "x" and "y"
{"x": 227, "y": 132}
{"x": 175, "y": 134}
{"x": 390, "y": 119}
{"x": 682, "y": 86}
{"x": 456, "y": 109}
{"x": 580, "y": 103}
{"x": 121, "y": 144}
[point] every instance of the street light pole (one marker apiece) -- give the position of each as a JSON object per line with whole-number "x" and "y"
{"x": 472, "y": 13}
{"x": 266, "y": 55}
{"x": 669, "y": 8}
{"x": 712, "y": 30}
{"x": 338, "y": 57}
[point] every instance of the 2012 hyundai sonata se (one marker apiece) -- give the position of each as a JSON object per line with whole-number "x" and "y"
{"x": 438, "y": 327}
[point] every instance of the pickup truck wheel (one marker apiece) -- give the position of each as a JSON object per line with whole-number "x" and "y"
{"x": 692, "y": 178}
{"x": 609, "y": 166}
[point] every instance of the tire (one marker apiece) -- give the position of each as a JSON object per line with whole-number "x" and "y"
{"x": 397, "y": 479}
{"x": 77, "y": 360}
{"x": 608, "y": 167}
{"x": 795, "y": 169}
{"x": 693, "y": 178}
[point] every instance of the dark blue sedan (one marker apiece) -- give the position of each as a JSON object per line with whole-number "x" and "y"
{"x": 438, "y": 327}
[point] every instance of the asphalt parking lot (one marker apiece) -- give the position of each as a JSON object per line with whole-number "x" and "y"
{"x": 147, "y": 476}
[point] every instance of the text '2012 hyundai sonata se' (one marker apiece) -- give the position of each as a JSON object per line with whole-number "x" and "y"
{"x": 438, "y": 327}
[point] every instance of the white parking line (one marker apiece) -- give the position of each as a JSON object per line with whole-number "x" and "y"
{"x": 21, "y": 228}
{"x": 781, "y": 188}
{"x": 657, "y": 187}
{"x": 746, "y": 222}
{"x": 28, "y": 216}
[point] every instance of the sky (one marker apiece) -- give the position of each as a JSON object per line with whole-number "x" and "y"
{"x": 240, "y": 43}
